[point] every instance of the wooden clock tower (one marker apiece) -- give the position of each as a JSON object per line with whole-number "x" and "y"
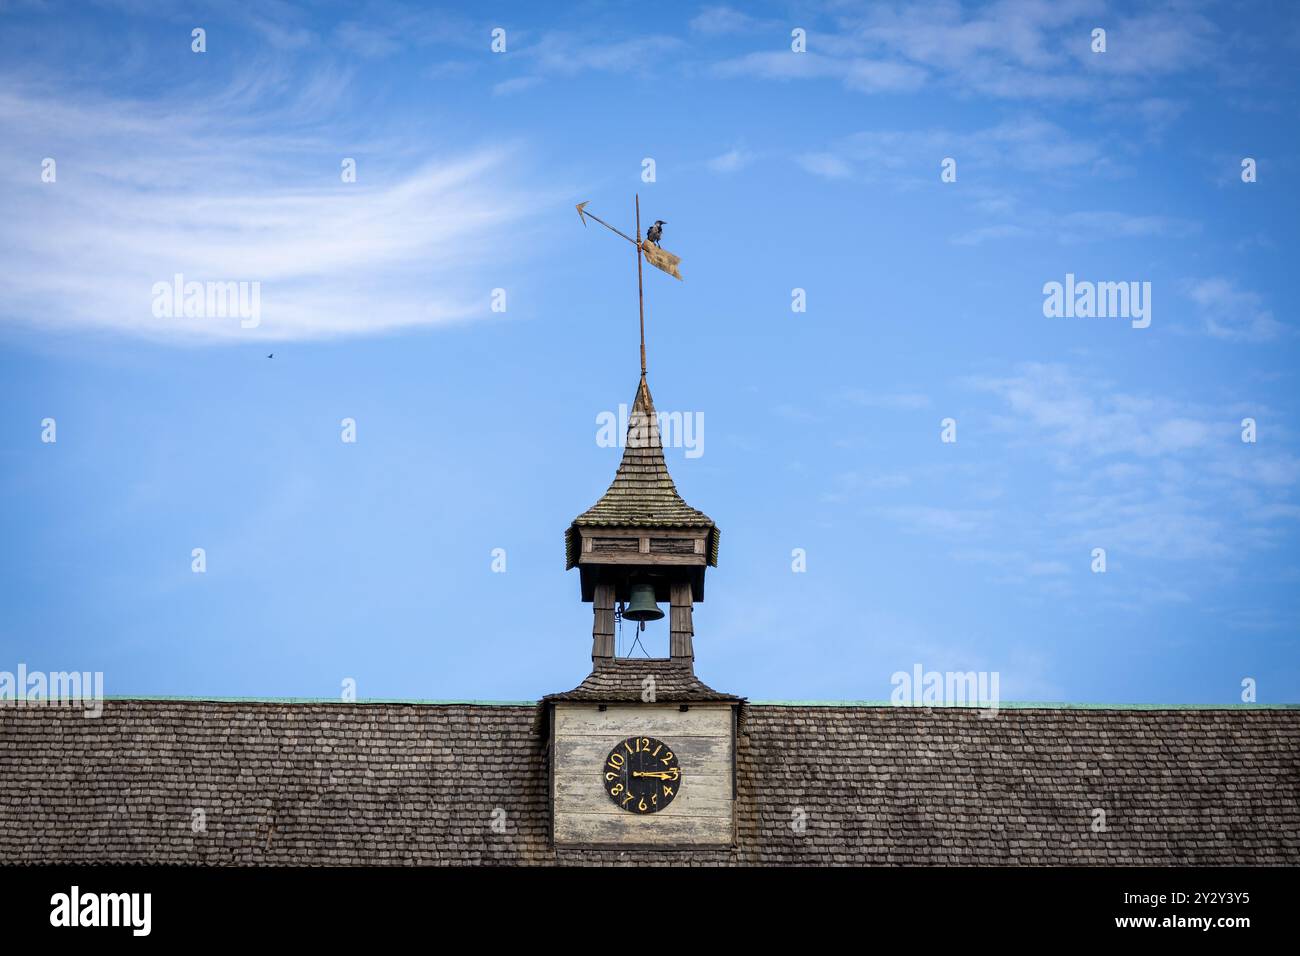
{"x": 642, "y": 752}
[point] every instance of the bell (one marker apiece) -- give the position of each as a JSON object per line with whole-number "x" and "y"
{"x": 642, "y": 607}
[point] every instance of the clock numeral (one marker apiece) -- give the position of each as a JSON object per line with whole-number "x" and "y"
{"x": 637, "y": 785}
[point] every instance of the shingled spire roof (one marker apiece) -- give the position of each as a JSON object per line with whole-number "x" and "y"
{"x": 642, "y": 494}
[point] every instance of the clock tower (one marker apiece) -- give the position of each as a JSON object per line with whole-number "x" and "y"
{"x": 642, "y": 752}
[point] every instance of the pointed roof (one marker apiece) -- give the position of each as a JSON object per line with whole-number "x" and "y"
{"x": 642, "y": 494}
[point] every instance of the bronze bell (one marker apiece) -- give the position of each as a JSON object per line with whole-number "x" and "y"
{"x": 642, "y": 606}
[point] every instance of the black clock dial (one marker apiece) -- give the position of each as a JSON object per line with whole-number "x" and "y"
{"x": 642, "y": 775}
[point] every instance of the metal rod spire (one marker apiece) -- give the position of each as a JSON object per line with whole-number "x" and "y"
{"x": 663, "y": 260}
{"x": 640, "y": 295}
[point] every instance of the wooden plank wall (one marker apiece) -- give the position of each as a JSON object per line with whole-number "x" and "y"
{"x": 701, "y": 737}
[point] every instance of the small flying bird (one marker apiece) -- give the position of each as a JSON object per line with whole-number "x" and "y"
{"x": 655, "y": 231}
{"x": 272, "y": 355}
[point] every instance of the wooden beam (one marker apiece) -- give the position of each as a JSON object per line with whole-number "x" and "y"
{"x": 681, "y": 623}
{"x": 602, "y": 628}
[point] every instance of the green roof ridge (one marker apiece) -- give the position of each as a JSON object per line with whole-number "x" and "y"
{"x": 1003, "y": 705}
{"x": 216, "y": 699}
{"x": 1023, "y": 705}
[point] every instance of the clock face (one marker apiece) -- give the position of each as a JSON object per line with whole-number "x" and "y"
{"x": 642, "y": 775}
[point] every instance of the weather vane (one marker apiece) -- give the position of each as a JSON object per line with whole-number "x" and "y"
{"x": 648, "y": 249}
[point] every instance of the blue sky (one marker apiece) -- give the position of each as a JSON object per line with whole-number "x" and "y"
{"x": 477, "y": 429}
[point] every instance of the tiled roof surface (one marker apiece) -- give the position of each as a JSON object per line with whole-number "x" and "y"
{"x": 642, "y": 493}
{"x": 305, "y": 783}
{"x": 623, "y": 679}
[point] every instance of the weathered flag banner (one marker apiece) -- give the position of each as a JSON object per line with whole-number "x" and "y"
{"x": 661, "y": 258}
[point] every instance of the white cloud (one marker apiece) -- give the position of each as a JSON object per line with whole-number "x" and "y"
{"x": 145, "y": 192}
{"x": 882, "y": 76}
{"x": 731, "y": 161}
{"x": 1161, "y": 42}
{"x": 857, "y": 73}
{"x": 564, "y": 54}
{"x": 1018, "y": 50}
{"x": 367, "y": 40}
{"x": 1022, "y": 144}
{"x": 1109, "y": 224}
{"x": 780, "y": 65}
{"x": 827, "y": 165}
{"x": 720, "y": 20}
{"x": 515, "y": 85}
{"x": 1050, "y": 405}
{"x": 1152, "y": 475}
{"x": 1079, "y": 227}
{"x": 1015, "y": 49}
{"x": 568, "y": 54}
{"x": 1227, "y": 312}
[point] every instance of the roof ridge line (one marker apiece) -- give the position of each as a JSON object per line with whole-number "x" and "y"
{"x": 1020, "y": 705}
{"x": 416, "y": 701}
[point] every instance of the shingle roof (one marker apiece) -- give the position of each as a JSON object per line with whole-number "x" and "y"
{"x": 642, "y": 494}
{"x": 622, "y": 679}
{"x": 625, "y": 679}
{"x": 308, "y": 783}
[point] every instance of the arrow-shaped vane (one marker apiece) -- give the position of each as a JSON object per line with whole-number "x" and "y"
{"x": 583, "y": 214}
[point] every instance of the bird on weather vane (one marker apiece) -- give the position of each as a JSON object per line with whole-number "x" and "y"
{"x": 647, "y": 249}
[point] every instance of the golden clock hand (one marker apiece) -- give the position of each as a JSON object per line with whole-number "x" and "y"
{"x": 660, "y": 774}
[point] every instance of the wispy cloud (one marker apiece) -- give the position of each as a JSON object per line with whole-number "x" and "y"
{"x": 720, "y": 20}
{"x": 1111, "y": 224}
{"x": 409, "y": 243}
{"x": 1147, "y": 474}
{"x": 826, "y": 165}
{"x": 1026, "y": 144}
{"x": 731, "y": 161}
{"x": 563, "y": 54}
{"x": 1057, "y": 410}
{"x": 1011, "y": 49}
{"x": 1227, "y": 312}
{"x": 368, "y": 39}
{"x": 856, "y": 73}
{"x": 1079, "y": 227}
{"x": 516, "y": 84}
